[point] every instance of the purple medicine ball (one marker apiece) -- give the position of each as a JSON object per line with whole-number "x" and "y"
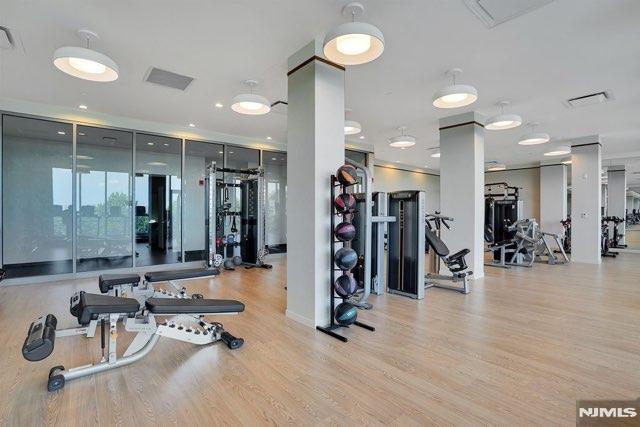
{"x": 344, "y": 202}
{"x": 345, "y": 232}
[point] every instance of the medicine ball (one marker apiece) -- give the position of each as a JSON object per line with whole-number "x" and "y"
{"x": 345, "y": 232}
{"x": 346, "y": 258}
{"x": 345, "y": 285}
{"x": 347, "y": 175}
{"x": 346, "y": 313}
{"x": 344, "y": 202}
{"x": 237, "y": 260}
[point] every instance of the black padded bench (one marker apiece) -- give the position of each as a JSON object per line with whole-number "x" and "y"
{"x": 106, "y": 282}
{"x": 166, "y": 276}
{"x": 88, "y": 307}
{"x": 193, "y": 306}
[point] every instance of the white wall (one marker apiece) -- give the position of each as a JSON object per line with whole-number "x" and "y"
{"x": 388, "y": 179}
{"x": 529, "y": 180}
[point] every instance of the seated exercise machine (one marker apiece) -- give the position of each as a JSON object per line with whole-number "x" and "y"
{"x": 456, "y": 262}
{"x": 498, "y": 248}
{"x": 92, "y": 310}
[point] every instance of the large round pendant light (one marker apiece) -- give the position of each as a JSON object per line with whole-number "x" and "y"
{"x": 352, "y": 127}
{"x": 503, "y": 121}
{"x": 353, "y": 43}
{"x": 85, "y": 63}
{"x": 560, "y": 150}
{"x": 455, "y": 96}
{"x": 250, "y": 103}
{"x": 534, "y": 138}
{"x": 403, "y": 140}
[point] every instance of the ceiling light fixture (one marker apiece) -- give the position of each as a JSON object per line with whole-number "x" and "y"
{"x": 61, "y": 132}
{"x": 192, "y": 125}
{"x": 250, "y": 103}
{"x": 436, "y": 152}
{"x": 219, "y": 105}
{"x": 269, "y": 138}
{"x": 560, "y": 150}
{"x": 85, "y": 63}
{"x": 353, "y": 43}
{"x": 361, "y": 136}
{"x": 403, "y": 140}
{"x": 352, "y": 127}
{"x": 82, "y": 107}
{"x": 534, "y": 138}
{"x": 503, "y": 121}
{"x": 455, "y": 96}
{"x": 496, "y": 167}
{"x": 566, "y": 162}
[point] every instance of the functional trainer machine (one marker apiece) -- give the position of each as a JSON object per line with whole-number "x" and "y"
{"x": 92, "y": 310}
{"x": 502, "y": 207}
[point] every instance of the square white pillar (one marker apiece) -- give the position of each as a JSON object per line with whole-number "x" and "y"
{"x": 617, "y": 196}
{"x": 586, "y": 161}
{"x": 315, "y": 150}
{"x": 462, "y": 185}
{"x": 553, "y": 198}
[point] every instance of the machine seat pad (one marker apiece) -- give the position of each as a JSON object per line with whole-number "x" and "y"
{"x": 92, "y": 305}
{"x": 165, "y": 276}
{"x": 436, "y": 243}
{"x": 193, "y": 306}
{"x": 106, "y": 282}
{"x": 459, "y": 254}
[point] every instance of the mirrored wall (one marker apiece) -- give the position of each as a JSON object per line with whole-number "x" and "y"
{"x": 109, "y": 199}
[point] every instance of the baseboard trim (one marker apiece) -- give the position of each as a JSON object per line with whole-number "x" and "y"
{"x": 300, "y": 319}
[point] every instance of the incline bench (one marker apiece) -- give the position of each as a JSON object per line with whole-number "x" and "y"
{"x": 108, "y": 310}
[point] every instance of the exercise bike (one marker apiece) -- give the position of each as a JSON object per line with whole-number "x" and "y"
{"x": 604, "y": 240}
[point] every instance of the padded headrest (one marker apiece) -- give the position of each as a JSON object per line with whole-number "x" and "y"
{"x": 436, "y": 243}
{"x": 488, "y": 234}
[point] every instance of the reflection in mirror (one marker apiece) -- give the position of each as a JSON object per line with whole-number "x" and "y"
{"x": 158, "y": 200}
{"x": 275, "y": 170}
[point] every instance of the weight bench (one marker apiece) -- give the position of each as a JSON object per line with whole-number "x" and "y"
{"x": 455, "y": 263}
{"x": 107, "y": 310}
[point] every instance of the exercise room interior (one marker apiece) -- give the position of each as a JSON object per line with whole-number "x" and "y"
{"x": 418, "y": 212}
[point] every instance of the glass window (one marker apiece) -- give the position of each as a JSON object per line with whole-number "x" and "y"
{"x": 37, "y": 197}
{"x": 198, "y": 155}
{"x": 275, "y": 170}
{"x": 104, "y": 159}
{"x": 158, "y": 219}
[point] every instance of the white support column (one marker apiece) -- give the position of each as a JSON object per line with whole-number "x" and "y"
{"x": 315, "y": 150}
{"x": 586, "y": 161}
{"x": 617, "y": 196}
{"x": 553, "y": 198}
{"x": 462, "y": 185}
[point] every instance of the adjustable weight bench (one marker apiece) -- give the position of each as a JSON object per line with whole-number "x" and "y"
{"x": 455, "y": 263}
{"x": 108, "y": 310}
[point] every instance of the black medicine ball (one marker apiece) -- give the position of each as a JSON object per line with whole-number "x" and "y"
{"x": 345, "y": 285}
{"x": 346, "y": 314}
{"x": 345, "y": 232}
{"x": 345, "y": 258}
{"x": 347, "y": 175}
{"x": 344, "y": 202}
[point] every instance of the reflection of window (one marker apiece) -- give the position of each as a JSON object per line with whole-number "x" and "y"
{"x": 61, "y": 191}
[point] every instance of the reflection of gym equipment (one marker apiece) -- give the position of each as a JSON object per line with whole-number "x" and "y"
{"x": 616, "y": 237}
{"x": 604, "y": 239}
{"x": 566, "y": 239}
{"x": 246, "y": 245}
{"x": 455, "y": 263}
{"x": 106, "y": 310}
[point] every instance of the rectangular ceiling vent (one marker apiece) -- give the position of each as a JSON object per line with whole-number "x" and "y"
{"x": 591, "y": 99}
{"x": 168, "y": 79}
{"x": 496, "y": 12}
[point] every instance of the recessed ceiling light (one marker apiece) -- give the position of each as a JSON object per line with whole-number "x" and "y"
{"x": 560, "y": 150}
{"x": 150, "y": 143}
{"x": 403, "y": 140}
{"x": 81, "y": 133}
{"x": 352, "y": 127}
{"x": 220, "y": 152}
{"x": 455, "y": 96}
{"x": 82, "y": 107}
{"x": 496, "y": 167}
{"x": 534, "y": 138}
{"x": 85, "y": 63}
{"x": 250, "y": 103}
{"x": 269, "y": 138}
{"x": 361, "y": 136}
{"x": 230, "y": 152}
{"x": 192, "y": 125}
{"x": 353, "y": 43}
{"x": 219, "y": 105}
{"x": 273, "y": 158}
{"x": 503, "y": 121}
{"x": 61, "y": 132}
{"x": 165, "y": 144}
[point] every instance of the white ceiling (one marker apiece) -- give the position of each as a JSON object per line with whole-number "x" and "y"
{"x": 565, "y": 49}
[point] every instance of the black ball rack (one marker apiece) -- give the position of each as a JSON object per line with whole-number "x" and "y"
{"x": 333, "y": 326}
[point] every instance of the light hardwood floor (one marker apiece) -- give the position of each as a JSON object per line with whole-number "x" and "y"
{"x": 520, "y": 349}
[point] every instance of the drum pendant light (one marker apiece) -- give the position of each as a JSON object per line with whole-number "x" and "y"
{"x": 353, "y": 43}
{"x": 85, "y": 63}
{"x": 250, "y": 103}
{"x": 534, "y": 138}
{"x": 351, "y": 127}
{"x": 503, "y": 121}
{"x": 402, "y": 141}
{"x": 455, "y": 96}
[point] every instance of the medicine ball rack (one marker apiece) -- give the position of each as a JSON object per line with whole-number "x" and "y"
{"x": 331, "y": 328}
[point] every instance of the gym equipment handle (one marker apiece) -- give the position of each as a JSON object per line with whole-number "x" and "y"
{"x": 40, "y": 339}
{"x": 231, "y": 341}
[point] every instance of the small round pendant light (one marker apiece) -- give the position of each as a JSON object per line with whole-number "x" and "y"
{"x": 352, "y": 127}
{"x": 250, "y": 103}
{"x": 559, "y": 150}
{"x": 495, "y": 167}
{"x": 455, "y": 96}
{"x": 436, "y": 152}
{"x": 353, "y": 43}
{"x": 85, "y": 63}
{"x": 403, "y": 140}
{"x": 503, "y": 121}
{"x": 534, "y": 138}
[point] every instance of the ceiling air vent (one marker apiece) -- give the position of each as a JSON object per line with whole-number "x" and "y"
{"x": 591, "y": 99}
{"x": 168, "y": 79}
{"x": 496, "y": 12}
